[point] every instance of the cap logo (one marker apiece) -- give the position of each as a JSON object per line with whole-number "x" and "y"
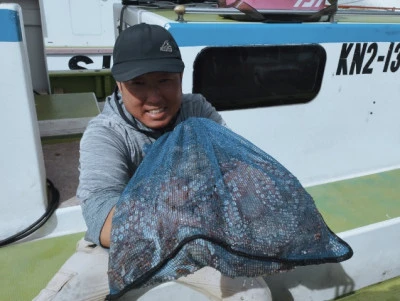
{"x": 166, "y": 47}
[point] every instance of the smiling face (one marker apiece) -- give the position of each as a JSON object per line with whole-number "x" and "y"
{"x": 153, "y": 98}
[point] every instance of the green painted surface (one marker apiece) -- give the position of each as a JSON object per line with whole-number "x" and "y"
{"x": 27, "y": 268}
{"x": 366, "y": 19}
{"x": 348, "y": 18}
{"x": 60, "y": 139}
{"x": 62, "y": 106}
{"x": 354, "y": 203}
{"x": 100, "y": 82}
{"x": 81, "y": 73}
{"x": 190, "y": 17}
{"x": 386, "y": 291}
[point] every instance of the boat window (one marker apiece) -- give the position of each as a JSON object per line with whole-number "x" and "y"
{"x": 259, "y": 76}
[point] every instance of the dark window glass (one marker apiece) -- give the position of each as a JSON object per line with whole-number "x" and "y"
{"x": 259, "y": 76}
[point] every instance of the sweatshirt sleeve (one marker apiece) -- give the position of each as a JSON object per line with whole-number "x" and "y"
{"x": 104, "y": 173}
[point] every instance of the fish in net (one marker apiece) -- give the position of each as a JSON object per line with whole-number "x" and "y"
{"x": 205, "y": 196}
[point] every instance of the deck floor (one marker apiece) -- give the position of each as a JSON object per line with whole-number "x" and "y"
{"x": 61, "y": 159}
{"x": 61, "y": 163}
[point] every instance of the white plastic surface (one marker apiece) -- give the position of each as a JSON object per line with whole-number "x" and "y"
{"x": 22, "y": 175}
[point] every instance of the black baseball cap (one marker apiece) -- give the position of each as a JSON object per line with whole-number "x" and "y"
{"x": 145, "y": 48}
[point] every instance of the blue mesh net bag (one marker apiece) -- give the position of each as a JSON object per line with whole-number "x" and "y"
{"x": 205, "y": 196}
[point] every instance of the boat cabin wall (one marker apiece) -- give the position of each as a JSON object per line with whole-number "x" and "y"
{"x": 349, "y": 127}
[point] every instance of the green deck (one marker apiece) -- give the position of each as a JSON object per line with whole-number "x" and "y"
{"x": 26, "y": 268}
{"x": 62, "y": 106}
{"x": 386, "y": 291}
{"x": 65, "y": 114}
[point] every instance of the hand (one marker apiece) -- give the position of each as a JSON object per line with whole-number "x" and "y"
{"x": 105, "y": 234}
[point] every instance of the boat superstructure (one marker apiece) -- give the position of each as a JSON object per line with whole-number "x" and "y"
{"x": 321, "y": 97}
{"x": 76, "y": 40}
